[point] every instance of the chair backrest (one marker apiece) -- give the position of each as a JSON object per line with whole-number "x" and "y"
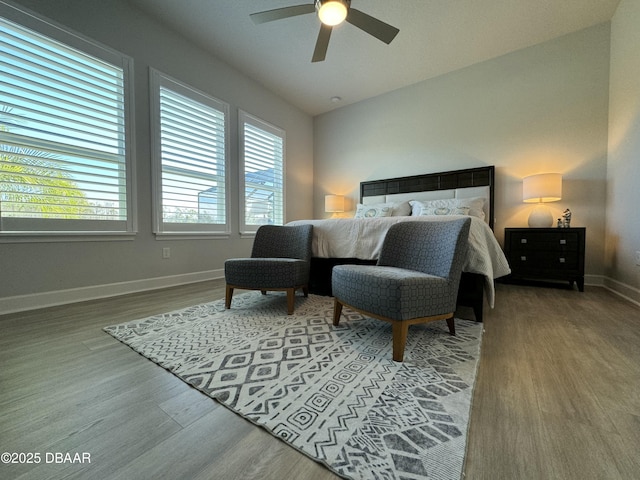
{"x": 437, "y": 248}
{"x": 277, "y": 241}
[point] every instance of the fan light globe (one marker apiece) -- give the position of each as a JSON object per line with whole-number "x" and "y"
{"x": 332, "y": 12}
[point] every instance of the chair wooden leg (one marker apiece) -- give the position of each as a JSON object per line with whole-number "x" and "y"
{"x": 452, "y": 326}
{"x": 227, "y": 297}
{"x": 291, "y": 293}
{"x": 399, "y": 331}
{"x": 305, "y": 290}
{"x": 337, "y": 311}
{"x": 264, "y": 292}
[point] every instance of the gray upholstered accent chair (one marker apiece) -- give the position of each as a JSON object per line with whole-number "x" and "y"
{"x": 280, "y": 260}
{"x": 415, "y": 280}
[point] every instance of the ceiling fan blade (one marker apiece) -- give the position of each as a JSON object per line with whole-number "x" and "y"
{"x": 322, "y": 43}
{"x": 280, "y": 13}
{"x": 382, "y": 31}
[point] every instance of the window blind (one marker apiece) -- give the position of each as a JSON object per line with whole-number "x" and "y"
{"x": 62, "y": 133}
{"x": 263, "y": 172}
{"x": 190, "y": 135}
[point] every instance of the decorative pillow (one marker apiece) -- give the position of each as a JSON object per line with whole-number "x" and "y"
{"x": 376, "y": 210}
{"x": 444, "y": 211}
{"x": 475, "y": 206}
{"x": 383, "y": 210}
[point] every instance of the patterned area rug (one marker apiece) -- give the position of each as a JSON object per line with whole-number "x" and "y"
{"x": 331, "y": 392}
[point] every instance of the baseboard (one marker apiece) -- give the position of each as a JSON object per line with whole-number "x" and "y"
{"x": 622, "y": 289}
{"x": 594, "y": 280}
{"x": 34, "y": 301}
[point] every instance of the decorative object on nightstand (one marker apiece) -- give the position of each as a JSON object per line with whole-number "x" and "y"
{"x": 334, "y": 204}
{"x": 546, "y": 253}
{"x": 540, "y": 189}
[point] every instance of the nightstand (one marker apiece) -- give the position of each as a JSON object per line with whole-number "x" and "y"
{"x": 546, "y": 254}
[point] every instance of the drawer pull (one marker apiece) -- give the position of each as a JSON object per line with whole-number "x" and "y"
{"x": 561, "y": 259}
{"x": 523, "y": 240}
{"x": 563, "y": 241}
{"x": 523, "y": 258}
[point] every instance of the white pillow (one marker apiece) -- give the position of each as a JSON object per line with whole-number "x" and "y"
{"x": 449, "y": 206}
{"x": 444, "y": 211}
{"x": 372, "y": 211}
{"x": 401, "y": 209}
{"x": 383, "y": 210}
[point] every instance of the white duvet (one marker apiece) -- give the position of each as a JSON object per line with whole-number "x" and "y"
{"x": 362, "y": 238}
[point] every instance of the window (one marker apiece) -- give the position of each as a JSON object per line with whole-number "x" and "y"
{"x": 189, "y": 132}
{"x": 65, "y": 164}
{"x": 262, "y": 173}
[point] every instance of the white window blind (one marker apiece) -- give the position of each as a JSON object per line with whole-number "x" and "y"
{"x": 190, "y": 158}
{"x": 262, "y": 182}
{"x": 63, "y": 140}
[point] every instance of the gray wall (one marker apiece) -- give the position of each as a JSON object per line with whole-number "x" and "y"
{"x": 541, "y": 109}
{"x": 35, "y": 268}
{"x": 623, "y": 168}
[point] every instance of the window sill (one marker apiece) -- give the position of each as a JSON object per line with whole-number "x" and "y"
{"x": 192, "y": 235}
{"x": 55, "y": 237}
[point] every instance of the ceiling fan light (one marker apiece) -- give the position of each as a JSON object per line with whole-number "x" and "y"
{"x": 332, "y": 12}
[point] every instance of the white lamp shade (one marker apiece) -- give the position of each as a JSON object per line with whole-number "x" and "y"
{"x": 334, "y": 203}
{"x": 542, "y": 188}
{"x": 332, "y": 12}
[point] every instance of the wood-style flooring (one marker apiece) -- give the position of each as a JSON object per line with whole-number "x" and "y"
{"x": 557, "y": 395}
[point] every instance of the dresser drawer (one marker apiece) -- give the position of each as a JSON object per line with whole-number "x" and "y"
{"x": 540, "y": 260}
{"x": 560, "y": 241}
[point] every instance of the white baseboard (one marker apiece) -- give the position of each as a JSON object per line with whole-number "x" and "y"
{"x": 34, "y": 301}
{"x": 622, "y": 289}
{"x": 594, "y": 280}
{"x": 20, "y": 303}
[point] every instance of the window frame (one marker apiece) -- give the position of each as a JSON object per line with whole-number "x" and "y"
{"x": 46, "y": 230}
{"x": 244, "y": 117}
{"x": 157, "y": 80}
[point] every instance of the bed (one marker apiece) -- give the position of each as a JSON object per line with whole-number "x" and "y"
{"x": 428, "y": 197}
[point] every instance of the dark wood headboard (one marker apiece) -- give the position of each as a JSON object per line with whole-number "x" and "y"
{"x": 470, "y": 177}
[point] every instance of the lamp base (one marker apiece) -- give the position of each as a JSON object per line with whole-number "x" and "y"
{"x": 540, "y": 217}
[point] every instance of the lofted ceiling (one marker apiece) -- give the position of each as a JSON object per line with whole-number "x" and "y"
{"x": 436, "y": 37}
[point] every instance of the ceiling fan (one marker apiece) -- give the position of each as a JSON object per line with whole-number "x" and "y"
{"x": 331, "y": 13}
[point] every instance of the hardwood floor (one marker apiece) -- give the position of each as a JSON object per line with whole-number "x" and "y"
{"x": 557, "y": 395}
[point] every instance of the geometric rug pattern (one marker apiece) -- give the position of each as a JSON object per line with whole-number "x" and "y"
{"x": 334, "y": 393}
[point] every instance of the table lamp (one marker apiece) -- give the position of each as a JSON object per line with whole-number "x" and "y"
{"x": 334, "y": 204}
{"x": 540, "y": 189}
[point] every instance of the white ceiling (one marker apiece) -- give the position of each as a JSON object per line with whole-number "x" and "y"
{"x": 436, "y": 37}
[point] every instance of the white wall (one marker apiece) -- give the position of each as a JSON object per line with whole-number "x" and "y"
{"x": 623, "y": 169}
{"x": 541, "y": 109}
{"x": 33, "y": 269}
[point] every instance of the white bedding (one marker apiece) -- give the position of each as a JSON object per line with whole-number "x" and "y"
{"x": 362, "y": 238}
